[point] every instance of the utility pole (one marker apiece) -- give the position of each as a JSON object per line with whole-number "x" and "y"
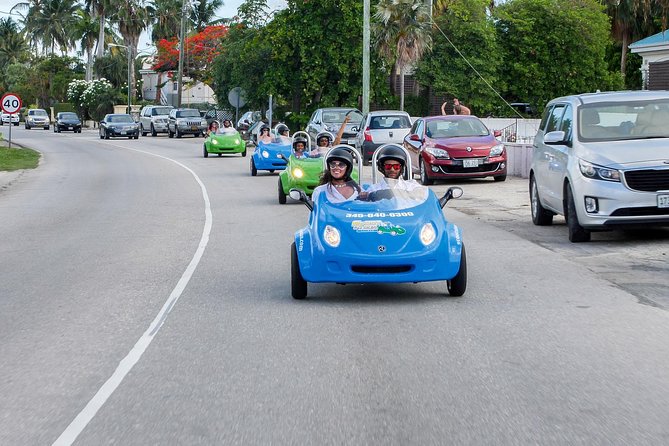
{"x": 365, "y": 57}
{"x": 180, "y": 74}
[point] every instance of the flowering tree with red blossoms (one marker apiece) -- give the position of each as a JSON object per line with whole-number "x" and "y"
{"x": 200, "y": 51}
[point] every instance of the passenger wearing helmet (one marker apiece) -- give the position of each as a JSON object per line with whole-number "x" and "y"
{"x": 300, "y": 147}
{"x": 213, "y": 128}
{"x": 391, "y": 161}
{"x": 227, "y": 123}
{"x": 336, "y": 182}
{"x": 323, "y": 144}
{"x": 282, "y": 136}
{"x": 264, "y": 135}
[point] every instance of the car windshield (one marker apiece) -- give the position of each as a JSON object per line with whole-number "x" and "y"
{"x": 337, "y": 116}
{"x": 39, "y": 113}
{"x": 68, "y": 116}
{"x": 456, "y": 128}
{"x": 624, "y": 120}
{"x": 160, "y": 111}
{"x": 389, "y": 122}
{"x": 188, "y": 114}
{"x": 120, "y": 118}
{"x": 386, "y": 200}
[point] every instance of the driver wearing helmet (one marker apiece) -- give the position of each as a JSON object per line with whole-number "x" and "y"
{"x": 227, "y": 123}
{"x": 264, "y": 135}
{"x": 391, "y": 161}
{"x": 323, "y": 144}
{"x": 336, "y": 181}
{"x": 300, "y": 147}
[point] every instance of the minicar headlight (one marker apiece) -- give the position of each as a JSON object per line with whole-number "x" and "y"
{"x": 298, "y": 173}
{"x": 214, "y": 141}
{"x": 265, "y": 154}
{"x": 331, "y": 236}
{"x": 438, "y": 153}
{"x": 497, "y": 150}
{"x": 596, "y": 172}
{"x": 427, "y": 234}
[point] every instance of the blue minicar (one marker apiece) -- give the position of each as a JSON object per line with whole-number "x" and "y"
{"x": 402, "y": 236}
{"x": 270, "y": 156}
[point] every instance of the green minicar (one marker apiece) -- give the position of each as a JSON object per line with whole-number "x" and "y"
{"x": 17, "y": 158}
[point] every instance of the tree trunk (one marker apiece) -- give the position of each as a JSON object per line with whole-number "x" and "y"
{"x": 89, "y": 64}
{"x": 402, "y": 88}
{"x": 393, "y": 79}
{"x": 623, "y": 56}
{"x": 101, "y": 36}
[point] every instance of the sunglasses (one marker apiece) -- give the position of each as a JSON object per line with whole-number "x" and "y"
{"x": 337, "y": 164}
{"x": 392, "y": 166}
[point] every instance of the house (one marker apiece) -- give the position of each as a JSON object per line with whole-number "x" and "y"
{"x": 655, "y": 66}
{"x": 162, "y": 88}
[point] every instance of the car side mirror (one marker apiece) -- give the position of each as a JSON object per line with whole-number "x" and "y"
{"x": 555, "y": 137}
{"x": 300, "y": 195}
{"x": 452, "y": 192}
{"x": 414, "y": 137}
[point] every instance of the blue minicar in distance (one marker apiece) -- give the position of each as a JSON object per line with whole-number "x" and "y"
{"x": 266, "y": 157}
{"x": 401, "y": 237}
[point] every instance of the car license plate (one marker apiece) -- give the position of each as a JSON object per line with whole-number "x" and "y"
{"x": 193, "y": 127}
{"x": 351, "y": 142}
{"x": 124, "y": 132}
{"x": 663, "y": 201}
{"x": 470, "y": 163}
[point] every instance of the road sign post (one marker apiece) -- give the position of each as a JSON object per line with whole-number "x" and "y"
{"x": 10, "y": 104}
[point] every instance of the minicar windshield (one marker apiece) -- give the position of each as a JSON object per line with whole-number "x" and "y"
{"x": 384, "y": 200}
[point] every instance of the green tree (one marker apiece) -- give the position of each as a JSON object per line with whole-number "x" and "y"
{"x": 402, "y": 34}
{"x": 48, "y": 22}
{"x": 553, "y": 48}
{"x": 465, "y": 58}
{"x": 166, "y": 22}
{"x": 203, "y": 14}
{"x": 86, "y": 31}
{"x": 13, "y": 47}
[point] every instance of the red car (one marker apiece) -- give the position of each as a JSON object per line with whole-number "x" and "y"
{"x": 455, "y": 146}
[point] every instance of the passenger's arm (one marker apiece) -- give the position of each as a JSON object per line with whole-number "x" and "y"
{"x": 341, "y": 131}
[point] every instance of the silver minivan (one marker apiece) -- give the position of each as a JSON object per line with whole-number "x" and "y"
{"x": 381, "y": 127}
{"x": 153, "y": 119}
{"x": 602, "y": 161}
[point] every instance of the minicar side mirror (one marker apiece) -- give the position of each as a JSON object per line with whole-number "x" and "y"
{"x": 452, "y": 192}
{"x": 300, "y": 195}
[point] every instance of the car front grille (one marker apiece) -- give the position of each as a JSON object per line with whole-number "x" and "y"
{"x": 381, "y": 269}
{"x": 482, "y": 168}
{"x": 648, "y": 180}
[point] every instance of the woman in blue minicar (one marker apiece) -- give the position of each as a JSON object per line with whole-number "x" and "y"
{"x": 336, "y": 182}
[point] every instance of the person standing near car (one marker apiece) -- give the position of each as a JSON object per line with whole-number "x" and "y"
{"x": 458, "y": 108}
{"x": 336, "y": 181}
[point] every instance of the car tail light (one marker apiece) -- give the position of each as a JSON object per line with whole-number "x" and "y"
{"x": 368, "y": 136}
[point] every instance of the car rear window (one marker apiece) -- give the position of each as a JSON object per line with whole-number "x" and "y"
{"x": 389, "y": 122}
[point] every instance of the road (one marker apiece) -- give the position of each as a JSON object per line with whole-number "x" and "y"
{"x": 131, "y": 315}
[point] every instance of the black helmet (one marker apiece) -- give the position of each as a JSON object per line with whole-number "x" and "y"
{"x": 390, "y": 152}
{"x": 327, "y": 135}
{"x": 263, "y": 127}
{"x": 281, "y": 128}
{"x": 301, "y": 139}
{"x": 341, "y": 154}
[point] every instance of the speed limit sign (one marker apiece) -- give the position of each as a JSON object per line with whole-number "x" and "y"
{"x": 10, "y": 103}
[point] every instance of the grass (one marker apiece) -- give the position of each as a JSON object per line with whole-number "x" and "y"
{"x": 17, "y": 158}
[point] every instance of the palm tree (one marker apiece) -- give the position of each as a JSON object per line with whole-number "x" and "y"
{"x": 166, "y": 21}
{"x": 402, "y": 34}
{"x": 13, "y": 46}
{"x": 85, "y": 31}
{"x": 99, "y": 8}
{"x": 204, "y": 14}
{"x": 132, "y": 18}
{"x": 48, "y": 22}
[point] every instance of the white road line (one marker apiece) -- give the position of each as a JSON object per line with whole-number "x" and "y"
{"x": 86, "y": 415}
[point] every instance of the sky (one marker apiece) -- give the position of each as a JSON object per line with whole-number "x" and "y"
{"x": 229, "y": 9}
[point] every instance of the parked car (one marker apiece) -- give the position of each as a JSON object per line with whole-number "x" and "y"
{"x": 113, "y": 125}
{"x": 182, "y": 121}
{"x": 381, "y": 127}
{"x": 602, "y": 161}
{"x": 37, "y": 117}
{"x": 455, "y": 146}
{"x": 153, "y": 119}
{"x": 331, "y": 119}
{"x": 6, "y": 118}
{"x": 67, "y": 121}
